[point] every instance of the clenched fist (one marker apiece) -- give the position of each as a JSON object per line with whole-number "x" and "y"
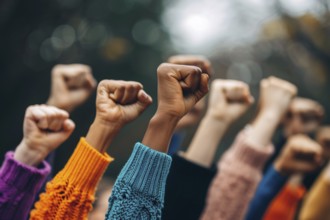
{"x": 300, "y": 155}
{"x": 276, "y": 95}
{"x": 193, "y": 116}
{"x": 229, "y": 99}
{"x": 71, "y": 86}
{"x": 180, "y": 87}
{"x": 45, "y": 128}
{"x": 117, "y": 103}
{"x": 303, "y": 116}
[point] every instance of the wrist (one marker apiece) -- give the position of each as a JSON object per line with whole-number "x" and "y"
{"x": 271, "y": 113}
{"x": 28, "y": 155}
{"x": 101, "y": 134}
{"x": 160, "y": 131}
{"x": 217, "y": 118}
{"x": 52, "y": 102}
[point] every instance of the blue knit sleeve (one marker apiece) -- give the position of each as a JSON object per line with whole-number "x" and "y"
{"x": 140, "y": 187}
{"x": 269, "y": 187}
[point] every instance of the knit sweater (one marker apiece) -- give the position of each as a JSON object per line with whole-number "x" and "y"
{"x": 19, "y": 184}
{"x": 186, "y": 189}
{"x": 140, "y": 187}
{"x": 284, "y": 206}
{"x": 71, "y": 193}
{"x": 270, "y": 185}
{"x": 317, "y": 205}
{"x": 234, "y": 186}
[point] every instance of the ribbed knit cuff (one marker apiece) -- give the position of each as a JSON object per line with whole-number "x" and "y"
{"x": 244, "y": 152}
{"x": 21, "y": 176}
{"x": 86, "y": 166}
{"x": 146, "y": 171}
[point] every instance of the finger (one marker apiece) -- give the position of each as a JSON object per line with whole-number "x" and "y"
{"x": 90, "y": 81}
{"x": 200, "y": 93}
{"x": 56, "y": 119}
{"x": 199, "y": 61}
{"x": 204, "y": 85}
{"x": 131, "y": 91}
{"x": 144, "y": 100}
{"x": 60, "y": 136}
{"x": 118, "y": 94}
{"x": 34, "y": 113}
{"x": 237, "y": 92}
{"x": 191, "y": 81}
{"x": 305, "y": 167}
{"x": 68, "y": 125}
{"x": 43, "y": 123}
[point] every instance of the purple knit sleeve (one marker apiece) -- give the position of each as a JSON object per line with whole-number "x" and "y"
{"x": 19, "y": 184}
{"x": 239, "y": 172}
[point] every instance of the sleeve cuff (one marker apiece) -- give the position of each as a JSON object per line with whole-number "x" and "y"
{"x": 146, "y": 171}
{"x": 86, "y": 166}
{"x": 22, "y": 176}
{"x": 274, "y": 178}
{"x": 244, "y": 152}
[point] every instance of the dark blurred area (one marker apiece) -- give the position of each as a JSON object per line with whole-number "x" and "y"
{"x": 119, "y": 39}
{"x": 126, "y": 39}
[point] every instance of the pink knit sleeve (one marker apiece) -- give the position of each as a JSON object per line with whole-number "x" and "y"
{"x": 239, "y": 172}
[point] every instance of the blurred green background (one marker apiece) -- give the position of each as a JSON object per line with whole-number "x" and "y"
{"x": 125, "y": 39}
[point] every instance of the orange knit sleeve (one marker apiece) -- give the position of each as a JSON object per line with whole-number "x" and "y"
{"x": 71, "y": 193}
{"x": 284, "y": 206}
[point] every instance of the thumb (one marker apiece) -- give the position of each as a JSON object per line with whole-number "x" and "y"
{"x": 200, "y": 92}
{"x": 143, "y": 101}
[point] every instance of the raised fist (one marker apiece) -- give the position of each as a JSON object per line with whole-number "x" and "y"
{"x": 71, "y": 86}
{"x": 193, "y": 116}
{"x": 119, "y": 102}
{"x": 229, "y": 99}
{"x": 300, "y": 155}
{"x": 180, "y": 87}
{"x": 45, "y": 128}
{"x": 303, "y": 116}
{"x": 192, "y": 60}
{"x": 276, "y": 95}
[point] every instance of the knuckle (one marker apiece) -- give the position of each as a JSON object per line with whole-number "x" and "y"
{"x": 163, "y": 67}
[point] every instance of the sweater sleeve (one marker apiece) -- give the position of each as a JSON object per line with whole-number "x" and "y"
{"x": 317, "y": 205}
{"x": 71, "y": 193}
{"x": 19, "y": 185}
{"x": 186, "y": 189}
{"x": 284, "y": 206}
{"x": 270, "y": 185}
{"x": 239, "y": 173}
{"x": 140, "y": 187}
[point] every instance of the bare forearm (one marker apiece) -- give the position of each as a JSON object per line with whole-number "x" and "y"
{"x": 100, "y": 136}
{"x": 206, "y": 141}
{"x": 264, "y": 127}
{"x": 159, "y": 132}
